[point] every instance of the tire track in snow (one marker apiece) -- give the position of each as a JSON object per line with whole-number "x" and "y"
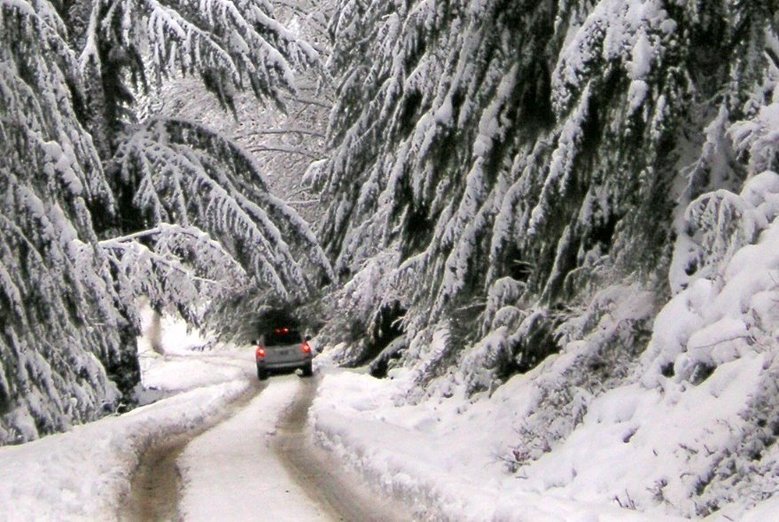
{"x": 156, "y": 484}
{"x": 324, "y": 480}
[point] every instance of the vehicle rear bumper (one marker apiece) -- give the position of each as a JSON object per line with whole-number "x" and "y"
{"x": 283, "y": 365}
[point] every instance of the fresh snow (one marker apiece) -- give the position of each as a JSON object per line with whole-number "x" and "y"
{"x": 443, "y": 457}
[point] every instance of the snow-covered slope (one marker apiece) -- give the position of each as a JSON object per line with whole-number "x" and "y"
{"x": 568, "y": 219}
{"x": 445, "y": 458}
{"x": 688, "y": 427}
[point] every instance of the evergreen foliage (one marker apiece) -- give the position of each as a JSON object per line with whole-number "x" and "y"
{"x": 516, "y": 156}
{"x": 99, "y": 209}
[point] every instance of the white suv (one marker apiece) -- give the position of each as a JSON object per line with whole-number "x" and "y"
{"x": 280, "y": 349}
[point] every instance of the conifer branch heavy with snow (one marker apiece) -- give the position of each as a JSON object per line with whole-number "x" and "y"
{"x": 544, "y": 143}
{"x": 98, "y": 211}
{"x": 527, "y": 182}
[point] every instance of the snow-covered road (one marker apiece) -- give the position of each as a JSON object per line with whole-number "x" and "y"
{"x": 328, "y": 482}
{"x": 232, "y": 473}
{"x": 295, "y": 449}
{"x": 253, "y": 461}
{"x": 156, "y": 484}
{"x": 244, "y": 452}
{"x": 209, "y": 449}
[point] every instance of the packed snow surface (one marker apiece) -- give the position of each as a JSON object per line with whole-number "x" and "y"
{"x": 245, "y": 481}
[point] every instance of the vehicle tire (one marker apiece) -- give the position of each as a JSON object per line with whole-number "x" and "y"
{"x": 262, "y": 373}
{"x": 308, "y": 371}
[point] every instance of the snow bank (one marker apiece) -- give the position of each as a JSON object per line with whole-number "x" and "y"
{"x": 83, "y": 474}
{"x": 442, "y": 458}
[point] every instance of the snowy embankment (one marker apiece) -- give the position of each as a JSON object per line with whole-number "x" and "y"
{"x": 441, "y": 458}
{"x": 687, "y": 428}
{"x": 445, "y": 457}
{"x": 83, "y": 474}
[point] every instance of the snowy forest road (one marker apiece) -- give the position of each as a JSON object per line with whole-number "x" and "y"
{"x": 253, "y": 462}
{"x": 155, "y": 487}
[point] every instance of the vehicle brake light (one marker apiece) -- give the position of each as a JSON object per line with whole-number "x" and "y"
{"x": 305, "y": 347}
{"x": 260, "y": 352}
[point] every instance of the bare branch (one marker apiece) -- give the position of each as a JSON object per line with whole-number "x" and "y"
{"x": 298, "y": 131}
{"x": 284, "y": 150}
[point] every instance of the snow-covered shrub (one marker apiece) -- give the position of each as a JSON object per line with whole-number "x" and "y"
{"x": 759, "y": 137}
{"x": 600, "y": 346}
{"x": 747, "y": 468}
{"x": 432, "y": 354}
{"x": 686, "y": 427}
{"x": 503, "y": 304}
{"x": 719, "y": 223}
{"x": 727, "y": 308}
{"x": 486, "y": 362}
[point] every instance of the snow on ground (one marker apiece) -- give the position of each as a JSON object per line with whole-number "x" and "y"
{"x": 180, "y": 370}
{"x": 441, "y": 457}
{"x": 691, "y": 431}
{"x": 83, "y": 474}
{"x": 444, "y": 456}
{"x": 244, "y": 480}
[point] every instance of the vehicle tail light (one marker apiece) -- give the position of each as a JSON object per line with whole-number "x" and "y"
{"x": 260, "y": 352}
{"x": 305, "y": 348}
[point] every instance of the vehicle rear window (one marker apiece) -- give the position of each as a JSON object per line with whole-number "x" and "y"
{"x": 282, "y": 336}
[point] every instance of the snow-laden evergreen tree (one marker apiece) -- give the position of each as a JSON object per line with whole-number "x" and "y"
{"x": 515, "y": 157}
{"x": 513, "y": 179}
{"x": 100, "y": 209}
{"x": 59, "y": 322}
{"x": 281, "y": 142}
